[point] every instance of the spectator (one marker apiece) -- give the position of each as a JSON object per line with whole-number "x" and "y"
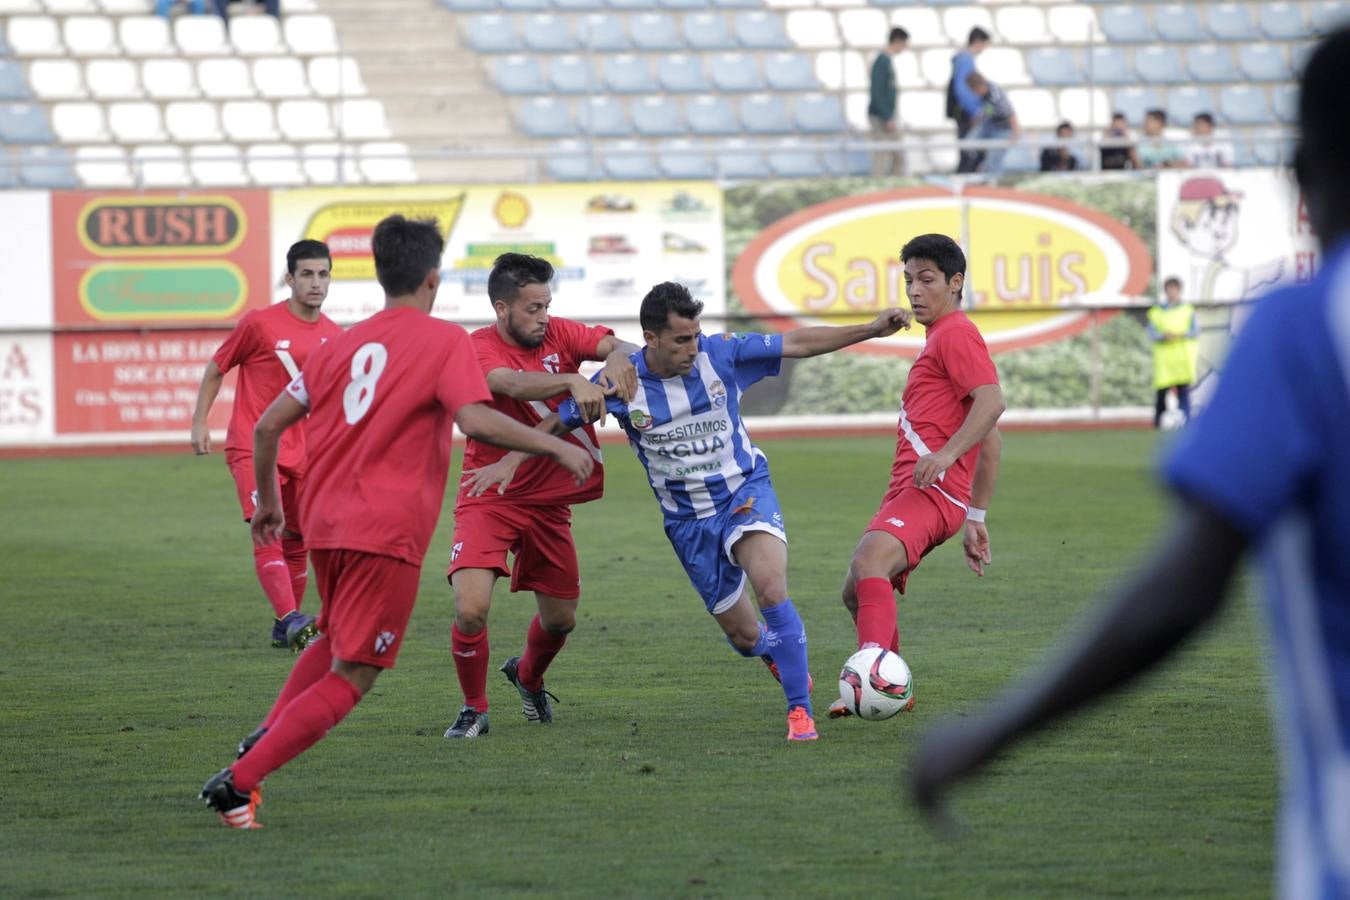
{"x": 162, "y": 7}
{"x": 1205, "y": 152}
{"x": 962, "y": 104}
{"x": 1175, "y": 332}
{"x": 884, "y": 103}
{"x": 997, "y": 120}
{"x": 1060, "y": 158}
{"x": 1117, "y": 154}
{"x": 1157, "y": 152}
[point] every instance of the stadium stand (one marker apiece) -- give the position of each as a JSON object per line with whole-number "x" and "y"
{"x": 117, "y": 93}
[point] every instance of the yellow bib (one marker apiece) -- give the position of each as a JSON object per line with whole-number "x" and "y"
{"x": 1173, "y": 358}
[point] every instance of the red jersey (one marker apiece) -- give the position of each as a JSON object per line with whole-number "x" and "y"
{"x": 270, "y": 346}
{"x": 538, "y": 481}
{"x": 382, "y": 400}
{"x": 954, "y": 361}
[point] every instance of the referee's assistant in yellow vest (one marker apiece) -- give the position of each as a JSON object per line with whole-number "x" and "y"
{"x": 1175, "y": 333}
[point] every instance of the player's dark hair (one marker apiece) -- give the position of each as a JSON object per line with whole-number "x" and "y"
{"x": 1324, "y": 140}
{"x": 664, "y": 299}
{"x": 512, "y": 271}
{"x": 898, "y": 34}
{"x": 1204, "y": 117}
{"x": 1172, "y": 280}
{"x": 938, "y": 249}
{"x": 1159, "y": 114}
{"x": 977, "y": 34}
{"x": 307, "y": 249}
{"x": 405, "y": 250}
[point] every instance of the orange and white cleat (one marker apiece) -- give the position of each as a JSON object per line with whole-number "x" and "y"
{"x": 800, "y": 725}
{"x": 839, "y": 709}
{"x": 235, "y": 809}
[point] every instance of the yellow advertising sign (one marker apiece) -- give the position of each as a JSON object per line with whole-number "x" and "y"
{"x": 1027, "y": 254}
{"x": 346, "y": 227}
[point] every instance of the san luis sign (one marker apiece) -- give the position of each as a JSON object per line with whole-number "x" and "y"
{"x": 1029, "y": 255}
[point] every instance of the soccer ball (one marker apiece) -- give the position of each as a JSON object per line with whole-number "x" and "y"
{"x": 875, "y": 684}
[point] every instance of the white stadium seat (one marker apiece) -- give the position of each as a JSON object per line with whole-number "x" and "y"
{"x": 311, "y": 35}
{"x": 104, "y": 167}
{"x": 331, "y": 164}
{"x": 169, "y": 79}
{"x": 135, "y": 122}
{"x": 35, "y": 36}
{"x": 812, "y": 28}
{"x": 202, "y": 36}
{"x": 56, "y": 79}
{"x": 225, "y": 79}
{"x": 848, "y": 70}
{"x": 361, "y": 120}
{"x": 958, "y": 21}
{"x": 217, "y": 165}
{"x": 249, "y": 120}
{"x": 257, "y": 36}
{"x": 280, "y": 77}
{"x": 146, "y": 36}
{"x": 91, "y": 36}
{"x": 387, "y": 162}
{"x": 274, "y": 165}
{"x": 1035, "y": 107}
{"x": 160, "y": 165}
{"x": 113, "y": 79}
{"x": 1075, "y": 24}
{"x": 193, "y": 121}
{"x": 79, "y": 123}
{"x": 305, "y": 120}
{"x": 71, "y": 7}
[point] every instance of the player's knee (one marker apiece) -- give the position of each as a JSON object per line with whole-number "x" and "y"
{"x": 559, "y": 624}
{"x": 744, "y": 640}
{"x": 771, "y": 592}
{"x": 470, "y": 620}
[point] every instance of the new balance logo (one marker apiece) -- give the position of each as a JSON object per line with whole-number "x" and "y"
{"x": 896, "y": 522}
{"x": 384, "y": 640}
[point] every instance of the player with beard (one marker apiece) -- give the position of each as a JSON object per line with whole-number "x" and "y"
{"x": 530, "y": 361}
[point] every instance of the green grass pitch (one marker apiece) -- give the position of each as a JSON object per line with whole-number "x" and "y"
{"x": 134, "y": 654}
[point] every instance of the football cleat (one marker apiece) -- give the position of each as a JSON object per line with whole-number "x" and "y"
{"x": 773, "y": 670}
{"x": 236, "y": 810}
{"x": 839, "y": 709}
{"x": 294, "y": 630}
{"x": 249, "y": 740}
{"x": 470, "y": 724}
{"x": 800, "y": 725}
{"x": 534, "y": 704}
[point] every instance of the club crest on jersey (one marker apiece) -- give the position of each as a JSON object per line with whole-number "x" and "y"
{"x": 384, "y": 640}
{"x": 454, "y": 551}
{"x": 641, "y": 421}
{"x": 552, "y": 363}
{"x": 717, "y": 393}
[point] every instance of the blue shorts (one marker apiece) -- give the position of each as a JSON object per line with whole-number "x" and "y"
{"x": 704, "y": 545}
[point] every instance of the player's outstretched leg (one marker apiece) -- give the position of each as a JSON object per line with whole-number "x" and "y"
{"x": 787, "y": 645}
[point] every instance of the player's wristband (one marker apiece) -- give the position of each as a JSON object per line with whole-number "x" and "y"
{"x": 975, "y": 514}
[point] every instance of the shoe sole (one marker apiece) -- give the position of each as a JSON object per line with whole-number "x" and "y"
{"x": 302, "y": 638}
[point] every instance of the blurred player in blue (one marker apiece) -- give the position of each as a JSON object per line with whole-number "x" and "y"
{"x": 721, "y": 514}
{"x": 1267, "y": 464}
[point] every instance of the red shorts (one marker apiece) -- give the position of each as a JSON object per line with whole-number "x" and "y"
{"x": 367, "y": 601}
{"x": 921, "y": 520}
{"x": 246, "y": 486}
{"x": 540, "y": 537}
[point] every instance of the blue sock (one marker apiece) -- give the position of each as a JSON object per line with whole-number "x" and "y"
{"x": 787, "y": 645}
{"x": 761, "y": 647}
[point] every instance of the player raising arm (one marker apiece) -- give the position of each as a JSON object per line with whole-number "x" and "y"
{"x": 1263, "y": 466}
{"x": 530, "y": 360}
{"x": 381, "y": 400}
{"x": 270, "y": 347}
{"x": 721, "y": 513}
{"x": 946, "y": 454}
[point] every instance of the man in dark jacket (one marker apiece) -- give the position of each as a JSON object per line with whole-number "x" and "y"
{"x": 882, "y": 107}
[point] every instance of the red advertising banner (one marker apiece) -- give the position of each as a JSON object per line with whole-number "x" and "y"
{"x": 135, "y": 382}
{"x": 147, "y": 259}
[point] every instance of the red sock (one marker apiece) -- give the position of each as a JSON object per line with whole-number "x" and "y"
{"x": 895, "y": 640}
{"x": 274, "y": 577}
{"x": 297, "y": 562}
{"x": 541, "y": 645}
{"x": 471, "y": 665}
{"x": 309, "y": 667}
{"x": 300, "y": 726}
{"x": 876, "y": 612}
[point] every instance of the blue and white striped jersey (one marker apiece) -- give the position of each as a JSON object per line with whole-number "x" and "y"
{"x": 687, "y": 430}
{"x": 1272, "y": 454}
